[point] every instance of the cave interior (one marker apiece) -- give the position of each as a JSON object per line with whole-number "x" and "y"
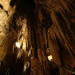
{"x": 37, "y": 37}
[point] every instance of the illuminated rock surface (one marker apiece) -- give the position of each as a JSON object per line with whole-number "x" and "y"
{"x": 37, "y": 37}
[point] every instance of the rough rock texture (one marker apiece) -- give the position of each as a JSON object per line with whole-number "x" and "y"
{"x": 41, "y": 28}
{"x": 6, "y": 13}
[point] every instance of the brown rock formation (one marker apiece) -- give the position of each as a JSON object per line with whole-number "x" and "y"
{"x": 32, "y": 30}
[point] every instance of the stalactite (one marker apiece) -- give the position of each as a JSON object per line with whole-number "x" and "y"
{"x": 40, "y": 28}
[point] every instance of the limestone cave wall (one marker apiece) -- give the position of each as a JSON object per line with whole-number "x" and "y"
{"x": 33, "y": 30}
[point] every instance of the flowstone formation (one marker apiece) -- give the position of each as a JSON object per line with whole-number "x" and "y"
{"x": 37, "y": 37}
{"x": 6, "y": 13}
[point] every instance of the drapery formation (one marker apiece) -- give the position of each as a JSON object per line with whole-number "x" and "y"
{"x": 39, "y": 28}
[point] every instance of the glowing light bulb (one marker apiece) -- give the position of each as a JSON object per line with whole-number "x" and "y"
{"x": 50, "y": 57}
{"x": 17, "y": 45}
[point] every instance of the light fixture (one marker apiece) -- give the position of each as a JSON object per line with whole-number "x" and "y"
{"x": 50, "y": 57}
{"x": 17, "y": 44}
